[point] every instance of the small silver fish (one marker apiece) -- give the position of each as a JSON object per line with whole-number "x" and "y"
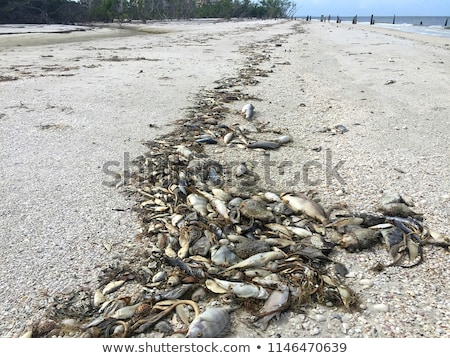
{"x": 228, "y": 138}
{"x": 212, "y": 323}
{"x": 248, "y": 110}
{"x": 240, "y": 170}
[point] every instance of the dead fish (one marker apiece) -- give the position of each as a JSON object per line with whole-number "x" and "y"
{"x": 173, "y": 294}
{"x": 264, "y": 145}
{"x": 198, "y": 203}
{"x": 220, "y": 207}
{"x": 206, "y": 139}
{"x": 437, "y": 239}
{"x": 110, "y": 306}
{"x": 99, "y": 298}
{"x": 221, "y": 194}
{"x": 301, "y": 203}
{"x": 200, "y": 247}
{"x": 272, "y": 197}
{"x": 283, "y": 139}
{"x": 240, "y": 170}
{"x": 185, "y": 152}
{"x": 299, "y": 231}
{"x": 247, "y": 247}
{"x": 277, "y": 302}
{"x": 258, "y": 260}
{"x": 271, "y": 280}
{"x": 159, "y": 276}
{"x": 125, "y": 312}
{"x": 248, "y": 110}
{"x": 342, "y": 222}
{"x": 112, "y": 286}
{"x": 390, "y": 197}
{"x": 222, "y": 256}
{"x": 235, "y": 202}
{"x": 240, "y": 289}
{"x": 173, "y": 280}
{"x": 255, "y": 209}
{"x": 280, "y": 229}
{"x": 212, "y": 323}
{"x": 95, "y": 322}
{"x": 228, "y": 138}
{"x": 360, "y": 239}
{"x": 398, "y": 209}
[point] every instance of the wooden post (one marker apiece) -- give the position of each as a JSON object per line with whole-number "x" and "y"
{"x": 393, "y": 20}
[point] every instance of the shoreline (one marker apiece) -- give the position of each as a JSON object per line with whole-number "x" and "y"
{"x": 315, "y": 82}
{"x": 95, "y": 30}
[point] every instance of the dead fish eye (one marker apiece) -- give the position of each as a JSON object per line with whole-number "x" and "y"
{"x": 199, "y": 334}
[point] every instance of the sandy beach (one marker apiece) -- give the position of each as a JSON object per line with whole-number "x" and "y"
{"x": 76, "y": 109}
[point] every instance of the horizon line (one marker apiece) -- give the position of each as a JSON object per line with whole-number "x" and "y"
{"x": 379, "y": 15}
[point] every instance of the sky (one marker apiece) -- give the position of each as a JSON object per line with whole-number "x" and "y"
{"x": 375, "y": 7}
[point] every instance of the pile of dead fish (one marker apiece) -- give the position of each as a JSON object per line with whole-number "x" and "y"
{"x": 213, "y": 241}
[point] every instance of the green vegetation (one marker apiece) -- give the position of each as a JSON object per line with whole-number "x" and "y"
{"x": 63, "y": 11}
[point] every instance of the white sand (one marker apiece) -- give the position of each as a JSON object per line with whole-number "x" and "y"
{"x": 77, "y": 105}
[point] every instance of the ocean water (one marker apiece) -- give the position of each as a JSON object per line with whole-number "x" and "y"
{"x": 37, "y": 28}
{"x": 431, "y": 25}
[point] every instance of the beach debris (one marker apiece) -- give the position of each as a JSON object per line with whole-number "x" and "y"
{"x": 358, "y": 238}
{"x": 213, "y": 322}
{"x": 228, "y": 137}
{"x": 240, "y": 169}
{"x": 284, "y": 139}
{"x": 248, "y": 111}
{"x": 300, "y": 203}
{"x": 211, "y": 234}
{"x": 390, "y": 82}
{"x": 276, "y": 303}
{"x": 337, "y": 129}
{"x": 341, "y": 129}
{"x": 264, "y": 145}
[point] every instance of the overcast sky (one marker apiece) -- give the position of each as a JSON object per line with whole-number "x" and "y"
{"x": 375, "y": 7}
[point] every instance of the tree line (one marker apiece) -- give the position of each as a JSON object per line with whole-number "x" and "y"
{"x": 66, "y": 12}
